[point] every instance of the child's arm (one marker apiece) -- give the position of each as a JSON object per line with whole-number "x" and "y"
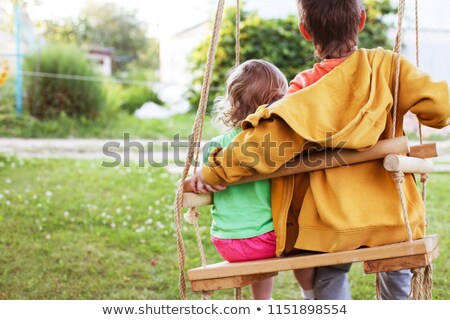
{"x": 429, "y": 100}
{"x": 264, "y": 149}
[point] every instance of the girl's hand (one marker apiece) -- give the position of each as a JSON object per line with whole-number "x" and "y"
{"x": 199, "y": 185}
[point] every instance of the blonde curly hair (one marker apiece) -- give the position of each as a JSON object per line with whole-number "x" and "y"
{"x": 249, "y": 85}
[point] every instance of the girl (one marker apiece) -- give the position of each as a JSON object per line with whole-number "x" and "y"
{"x": 242, "y": 227}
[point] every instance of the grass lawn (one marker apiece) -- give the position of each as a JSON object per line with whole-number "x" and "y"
{"x": 105, "y": 127}
{"x": 75, "y": 230}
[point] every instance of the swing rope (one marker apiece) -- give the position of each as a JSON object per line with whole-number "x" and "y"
{"x": 421, "y": 282}
{"x": 193, "y": 152}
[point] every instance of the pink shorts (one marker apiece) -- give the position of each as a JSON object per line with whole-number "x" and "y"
{"x": 255, "y": 248}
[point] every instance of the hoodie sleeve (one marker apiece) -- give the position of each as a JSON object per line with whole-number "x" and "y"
{"x": 427, "y": 99}
{"x": 262, "y": 149}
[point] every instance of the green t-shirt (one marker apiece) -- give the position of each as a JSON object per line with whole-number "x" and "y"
{"x": 240, "y": 211}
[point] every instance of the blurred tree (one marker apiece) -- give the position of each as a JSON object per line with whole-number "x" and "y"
{"x": 276, "y": 40}
{"x": 108, "y": 25}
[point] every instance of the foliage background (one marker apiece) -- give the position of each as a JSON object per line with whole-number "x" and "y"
{"x": 276, "y": 40}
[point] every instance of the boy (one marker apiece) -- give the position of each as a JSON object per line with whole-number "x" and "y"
{"x": 346, "y": 207}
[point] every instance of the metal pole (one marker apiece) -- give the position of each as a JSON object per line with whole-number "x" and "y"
{"x": 19, "y": 75}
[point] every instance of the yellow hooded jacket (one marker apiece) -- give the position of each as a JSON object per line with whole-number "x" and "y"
{"x": 346, "y": 207}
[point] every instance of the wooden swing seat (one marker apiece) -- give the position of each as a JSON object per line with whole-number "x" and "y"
{"x": 391, "y": 257}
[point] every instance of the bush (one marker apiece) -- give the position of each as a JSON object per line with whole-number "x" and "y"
{"x": 7, "y": 96}
{"x": 135, "y": 96}
{"x": 47, "y": 97}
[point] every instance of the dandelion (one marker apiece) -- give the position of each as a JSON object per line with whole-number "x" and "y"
{"x": 8, "y": 180}
{"x": 48, "y": 193}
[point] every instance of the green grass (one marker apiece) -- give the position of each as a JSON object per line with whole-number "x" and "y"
{"x": 75, "y": 230}
{"x": 105, "y": 127}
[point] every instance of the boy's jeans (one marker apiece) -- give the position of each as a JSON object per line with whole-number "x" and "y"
{"x": 332, "y": 283}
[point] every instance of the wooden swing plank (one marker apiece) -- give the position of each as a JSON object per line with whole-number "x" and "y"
{"x": 229, "y": 283}
{"x": 395, "y": 264}
{"x": 316, "y": 161}
{"x": 226, "y": 269}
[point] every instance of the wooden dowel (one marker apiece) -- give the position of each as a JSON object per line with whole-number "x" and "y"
{"x": 424, "y": 151}
{"x": 334, "y": 158}
{"x": 317, "y": 161}
{"x": 191, "y": 199}
{"x": 395, "y": 162}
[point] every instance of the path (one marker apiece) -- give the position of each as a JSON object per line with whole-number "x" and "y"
{"x": 93, "y": 149}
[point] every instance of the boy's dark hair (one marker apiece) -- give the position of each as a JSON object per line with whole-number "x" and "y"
{"x": 332, "y": 24}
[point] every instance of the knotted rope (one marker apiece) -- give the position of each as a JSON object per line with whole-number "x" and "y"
{"x": 194, "y": 149}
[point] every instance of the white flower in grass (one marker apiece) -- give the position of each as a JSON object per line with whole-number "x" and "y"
{"x": 103, "y": 214}
{"x": 66, "y": 213}
{"x": 26, "y": 201}
{"x": 159, "y": 225}
{"x": 27, "y": 190}
{"x": 124, "y": 223}
{"x": 44, "y": 219}
{"x": 34, "y": 196}
{"x": 1, "y": 195}
{"x": 39, "y": 205}
{"x": 128, "y": 208}
{"x": 166, "y": 233}
{"x": 48, "y": 193}
{"x": 124, "y": 197}
{"x": 149, "y": 208}
{"x": 157, "y": 202}
{"x": 8, "y": 202}
{"x": 2, "y": 164}
{"x": 8, "y": 181}
{"x": 128, "y": 217}
{"x": 148, "y": 221}
{"x": 113, "y": 225}
{"x": 157, "y": 211}
{"x": 6, "y": 191}
{"x": 13, "y": 164}
{"x": 119, "y": 211}
{"x": 140, "y": 229}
